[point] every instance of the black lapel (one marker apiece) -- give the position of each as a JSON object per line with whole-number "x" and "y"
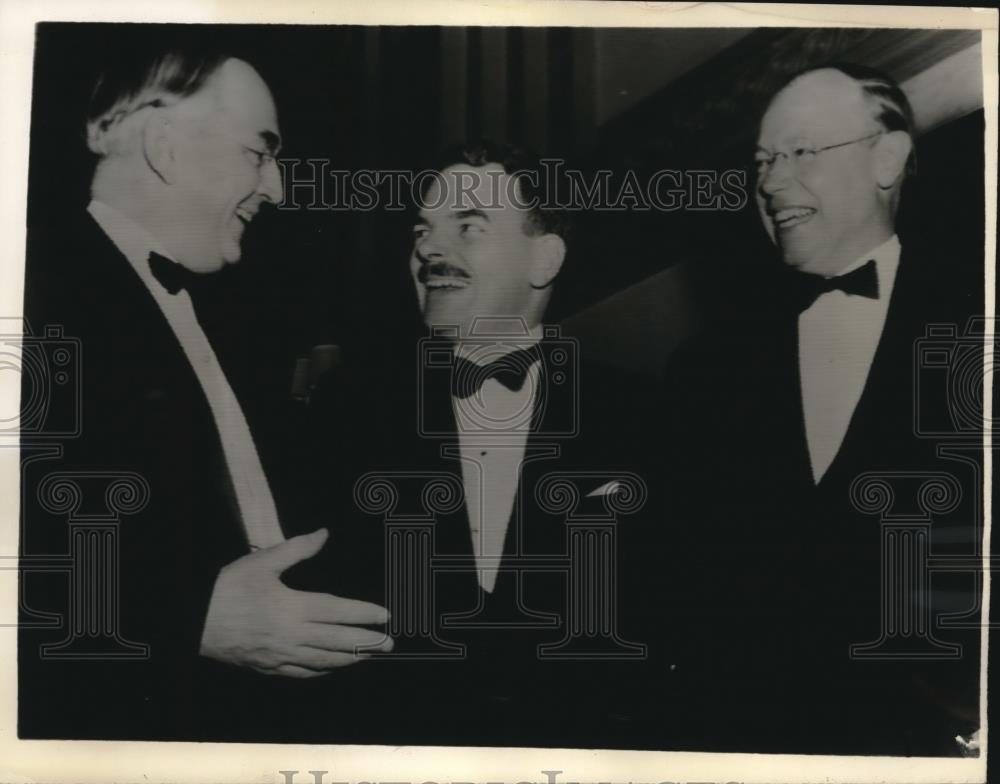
{"x": 440, "y": 451}
{"x": 529, "y": 530}
{"x": 130, "y": 310}
{"x": 780, "y": 446}
{"x": 148, "y": 353}
{"x": 883, "y": 416}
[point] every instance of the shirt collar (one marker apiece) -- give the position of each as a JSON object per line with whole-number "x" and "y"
{"x": 497, "y": 331}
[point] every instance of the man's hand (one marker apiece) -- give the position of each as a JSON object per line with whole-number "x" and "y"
{"x": 256, "y": 621}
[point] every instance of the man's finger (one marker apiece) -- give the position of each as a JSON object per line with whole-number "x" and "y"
{"x": 321, "y": 660}
{"x": 294, "y": 671}
{"x": 282, "y": 556}
{"x": 345, "y": 639}
{"x": 324, "y": 608}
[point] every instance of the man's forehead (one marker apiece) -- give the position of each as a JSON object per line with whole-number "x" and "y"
{"x": 240, "y": 99}
{"x": 466, "y": 187}
{"x": 819, "y": 102}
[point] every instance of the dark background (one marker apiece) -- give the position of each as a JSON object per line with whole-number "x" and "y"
{"x": 389, "y": 97}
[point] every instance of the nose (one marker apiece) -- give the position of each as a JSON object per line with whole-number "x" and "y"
{"x": 775, "y": 177}
{"x": 428, "y": 248}
{"x": 270, "y": 182}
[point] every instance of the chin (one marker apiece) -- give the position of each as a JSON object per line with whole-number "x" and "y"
{"x": 795, "y": 255}
{"x": 438, "y": 316}
{"x": 205, "y": 266}
{"x": 230, "y": 254}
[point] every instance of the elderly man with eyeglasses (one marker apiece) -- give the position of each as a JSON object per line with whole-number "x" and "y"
{"x": 793, "y": 439}
{"x": 198, "y": 637}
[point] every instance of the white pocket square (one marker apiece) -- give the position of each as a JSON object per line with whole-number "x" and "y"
{"x": 610, "y": 488}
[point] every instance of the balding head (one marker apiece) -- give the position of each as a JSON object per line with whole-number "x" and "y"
{"x": 235, "y": 95}
{"x": 830, "y": 170}
{"x": 187, "y": 151}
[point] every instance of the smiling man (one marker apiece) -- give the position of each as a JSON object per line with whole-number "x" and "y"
{"x": 481, "y": 248}
{"x": 486, "y": 257}
{"x": 185, "y": 144}
{"x": 505, "y": 405}
{"x": 207, "y": 155}
{"x": 832, "y": 155}
{"x": 777, "y": 426}
{"x": 470, "y": 438}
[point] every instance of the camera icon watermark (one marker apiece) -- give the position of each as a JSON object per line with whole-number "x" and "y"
{"x": 48, "y": 367}
{"x": 950, "y": 374}
{"x": 544, "y": 366}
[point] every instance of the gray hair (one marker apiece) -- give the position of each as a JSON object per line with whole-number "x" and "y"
{"x": 157, "y": 79}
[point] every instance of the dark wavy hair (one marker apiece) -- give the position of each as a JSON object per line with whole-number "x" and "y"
{"x": 521, "y": 164}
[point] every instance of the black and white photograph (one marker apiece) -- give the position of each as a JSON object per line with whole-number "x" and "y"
{"x": 554, "y": 386}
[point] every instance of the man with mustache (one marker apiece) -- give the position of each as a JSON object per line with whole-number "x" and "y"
{"x": 485, "y": 264}
{"x": 498, "y": 405}
{"x": 776, "y": 422}
{"x": 206, "y": 631}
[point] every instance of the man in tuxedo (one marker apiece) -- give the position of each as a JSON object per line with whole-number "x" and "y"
{"x": 494, "y": 443}
{"x": 779, "y": 428}
{"x": 198, "y": 633}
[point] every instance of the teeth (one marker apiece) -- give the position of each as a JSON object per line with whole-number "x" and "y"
{"x": 792, "y": 213}
{"x": 443, "y": 270}
{"x": 446, "y": 283}
{"x": 244, "y": 215}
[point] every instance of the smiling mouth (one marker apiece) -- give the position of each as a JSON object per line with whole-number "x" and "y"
{"x": 441, "y": 276}
{"x": 445, "y": 284}
{"x": 791, "y": 216}
{"x": 244, "y": 215}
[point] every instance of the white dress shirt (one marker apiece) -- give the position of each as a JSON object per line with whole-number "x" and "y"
{"x": 493, "y": 427}
{"x": 253, "y": 494}
{"x": 838, "y": 336}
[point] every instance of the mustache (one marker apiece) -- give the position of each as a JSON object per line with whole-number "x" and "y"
{"x": 440, "y": 269}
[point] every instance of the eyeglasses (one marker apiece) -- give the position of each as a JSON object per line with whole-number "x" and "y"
{"x": 260, "y": 157}
{"x": 801, "y": 157}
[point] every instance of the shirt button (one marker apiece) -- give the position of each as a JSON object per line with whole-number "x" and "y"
{"x": 483, "y": 453}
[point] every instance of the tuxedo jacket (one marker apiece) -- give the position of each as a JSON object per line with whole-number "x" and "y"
{"x": 777, "y": 576}
{"x": 142, "y": 413}
{"x": 493, "y": 675}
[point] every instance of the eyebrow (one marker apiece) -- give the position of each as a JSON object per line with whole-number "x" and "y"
{"x": 271, "y": 140}
{"x": 471, "y": 214}
{"x": 460, "y": 215}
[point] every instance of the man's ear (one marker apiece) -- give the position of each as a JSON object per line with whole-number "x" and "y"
{"x": 551, "y": 252}
{"x": 158, "y": 146}
{"x": 891, "y": 153}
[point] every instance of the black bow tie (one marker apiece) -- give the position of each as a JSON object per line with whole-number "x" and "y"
{"x": 169, "y": 274}
{"x": 510, "y": 370}
{"x": 862, "y": 282}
